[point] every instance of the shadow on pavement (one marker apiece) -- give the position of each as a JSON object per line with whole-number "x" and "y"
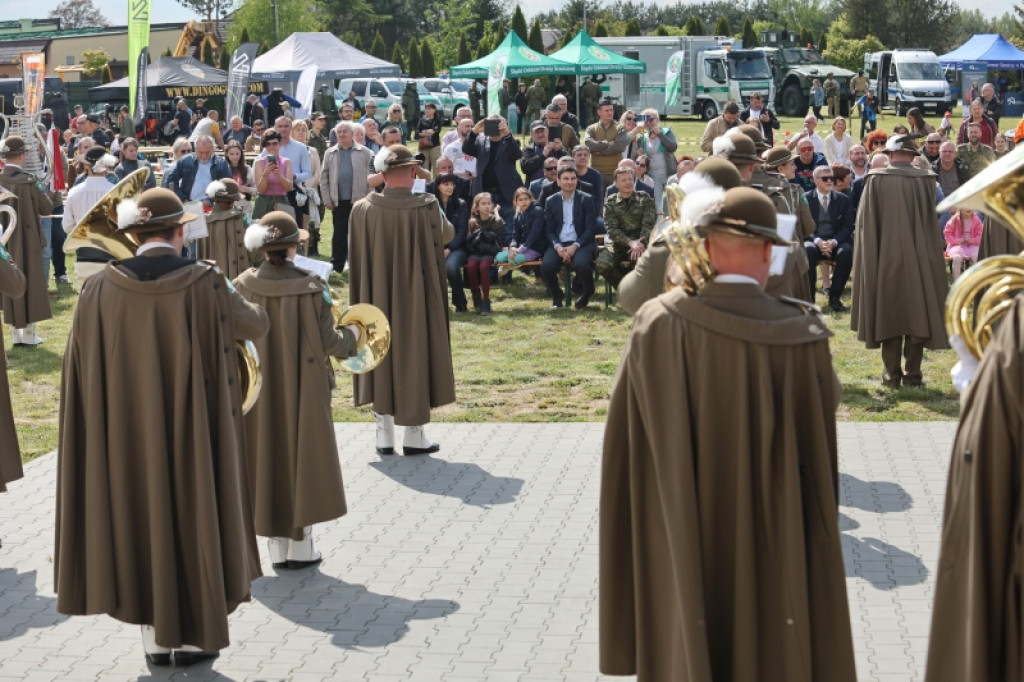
{"x": 466, "y": 481}
{"x": 880, "y": 497}
{"x": 354, "y": 616}
{"x": 23, "y": 608}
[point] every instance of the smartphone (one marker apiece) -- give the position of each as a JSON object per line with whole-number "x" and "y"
{"x": 554, "y": 133}
{"x": 271, "y": 158}
{"x": 641, "y": 118}
{"x": 492, "y": 127}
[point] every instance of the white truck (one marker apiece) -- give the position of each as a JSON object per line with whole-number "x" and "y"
{"x": 714, "y": 69}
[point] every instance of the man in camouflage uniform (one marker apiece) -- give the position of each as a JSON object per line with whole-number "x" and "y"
{"x": 536, "y": 101}
{"x": 591, "y": 95}
{"x": 325, "y": 103}
{"x": 831, "y": 95}
{"x": 629, "y": 217}
{"x": 973, "y": 153}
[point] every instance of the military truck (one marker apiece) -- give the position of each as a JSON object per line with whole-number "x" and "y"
{"x": 794, "y": 69}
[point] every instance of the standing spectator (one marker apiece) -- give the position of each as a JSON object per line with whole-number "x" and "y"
{"x": 535, "y": 101}
{"x": 990, "y": 103}
{"x": 274, "y": 176}
{"x": 461, "y": 114}
{"x": 963, "y": 236}
{"x": 659, "y": 145}
{"x": 483, "y": 243}
{"x": 832, "y": 94}
{"x": 558, "y": 130}
{"x": 463, "y": 164}
{"x": 838, "y": 143}
{"x": 975, "y": 155}
{"x": 130, "y": 162}
{"x": 496, "y": 158}
{"x": 869, "y": 113}
{"x": 817, "y": 97}
{"x": 717, "y": 126}
{"x": 397, "y": 242}
{"x": 591, "y": 95}
{"x": 125, "y": 123}
{"x": 164, "y": 497}
{"x": 918, "y": 126}
{"x": 899, "y": 292}
{"x": 183, "y": 117}
{"x": 294, "y": 473}
{"x": 859, "y": 85}
{"x": 255, "y": 140}
{"x": 193, "y": 173}
{"x": 298, "y": 153}
{"x": 343, "y": 182}
{"x": 352, "y": 101}
{"x": 606, "y": 140}
{"x": 317, "y": 139}
{"x": 629, "y": 122}
{"x": 762, "y": 117}
{"x": 808, "y": 133}
{"x": 805, "y": 162}
{"x": 570, "y": 218}
{"x": 253, "y": 111}
{"x": 568, "y": 117}
{"x": 629, "y": 217}
{"x": 237, "y": 131}
{"x": 521, "y": 106}
{"x": 977, "y": 115}
{"x": 456, "y": 210}
{"x": 241, "y": 172}
{"x": 537, "y": 152}
{"x": 428, "y": 133}
{"x": 208, "y": 125}
{"x": 411, "y": 103}
{"x": 370, "y": 112}
{"x": 309, "y": 189}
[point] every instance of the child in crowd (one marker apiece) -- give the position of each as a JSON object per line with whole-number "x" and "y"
{"x": 482, "y": 243}
{"x": 527, "y": 230}
{"x": 963, "y": 235}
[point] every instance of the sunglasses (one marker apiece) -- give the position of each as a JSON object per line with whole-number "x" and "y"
{"x": 631, "y": 118}
{"x": 933, "y": 141}
{"x": 641, "y": 165}
{"x": 274, "y": 143}
{"x": 547, "y": 168}
{"x": 827, "y": 178}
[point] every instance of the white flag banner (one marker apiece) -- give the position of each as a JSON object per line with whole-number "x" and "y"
{"x": 304, "y": 91}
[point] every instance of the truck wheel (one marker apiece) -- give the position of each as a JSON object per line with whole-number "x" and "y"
{"x": 708, "y": 110}
{"x": 900, "y": 109}
{"x": 794, "y": 104}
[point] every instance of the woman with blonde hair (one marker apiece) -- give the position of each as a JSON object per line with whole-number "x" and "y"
{"x": 838, "y": 143}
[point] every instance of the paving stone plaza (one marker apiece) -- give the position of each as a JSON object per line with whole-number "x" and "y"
{"x": 479, "y": 563}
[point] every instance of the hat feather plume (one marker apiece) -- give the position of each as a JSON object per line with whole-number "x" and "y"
{"x": 380, "y": 162}
{"x": 698, "y": 202}
{"x": 127, "y": 213}
{"x": 256, "y": 236}
{"x": 214, "y": 188}
{"x": 695, "y": 180}
{"x": 722, "y": 146}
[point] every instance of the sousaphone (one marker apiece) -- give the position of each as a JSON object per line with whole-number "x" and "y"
{"x": 98, "y": 230}
{"x": 983, "y": 293}
{"x": 8, "y": 225}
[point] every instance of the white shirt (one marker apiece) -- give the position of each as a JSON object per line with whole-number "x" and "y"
{"x": 736, "y": 279}
{"x": 463, "y": 162}
{"x": 568, "y": 232}
{"x": 819, "y": 144}
{"x": 81, "y": 199}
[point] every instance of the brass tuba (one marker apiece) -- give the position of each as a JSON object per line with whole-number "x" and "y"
{"x": 98, "y": 230}
{"x": 374, "y": 337}
{"x": 8, "y": 227}
{"x": 690, "y": 267}
{"x": 982, "y": 294}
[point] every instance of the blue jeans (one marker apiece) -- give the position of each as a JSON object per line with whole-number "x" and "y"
{"x": 453, "y": 265}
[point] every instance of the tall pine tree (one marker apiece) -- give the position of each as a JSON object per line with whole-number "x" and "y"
{"x": 413, "y": 51}
{"x": 519, "y": 24}
{"x": 822, "y": 42}
{"x": 536, "y": 39}
{"x": 427, "y": 60}
{"x": 633, "y": 28}
{"x": 750, "y": 38}
{"x": 465, "y": 56}
{"x": 722, "y": 27}
{"x": 377, "y": 48}
{"x": 357, "y": 41}
{"x": 397, "y": 57}
{"x": 694, "y": 26}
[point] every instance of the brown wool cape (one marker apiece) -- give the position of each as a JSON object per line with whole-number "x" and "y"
{"x": 997, "y": 239}
{"x": 154, "y": 516}
{"x": 720, "y": 553}
{"x": 978, "y": 617}
{"x": 899, "y": 274}
{"x": 226, "y": 244}
{"x": 26, "y": 249}
{"x": 293, "y": 455}
{"x": 396, "y": 261}
{"x": 12, "y": 283}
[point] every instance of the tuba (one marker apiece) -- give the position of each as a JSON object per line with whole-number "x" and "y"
{"x": 98, "y": 230}
{"x": 983, "y": 294}
{"x": 38, "y": 159}
{"x": 690, "y": 267}
{"x": 7, "y": 226}
{"x": 374, "y": 337}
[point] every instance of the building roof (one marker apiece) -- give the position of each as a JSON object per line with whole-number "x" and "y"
{"x": 10, "y": 52}
{"x": 83, "y": 31}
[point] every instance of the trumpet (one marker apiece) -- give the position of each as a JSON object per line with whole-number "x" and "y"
{"x": 690, "y": 267}
{"x": 983, "y": 294}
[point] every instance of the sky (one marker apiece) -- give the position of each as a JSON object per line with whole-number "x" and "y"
{"x": 116, "y": 11}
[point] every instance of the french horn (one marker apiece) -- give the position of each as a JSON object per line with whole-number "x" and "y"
{"x": 98, "y": 230}
{"x": 374, "y": 337}
{"x": 690, "y": 266}
{"x": 985, "y": 291}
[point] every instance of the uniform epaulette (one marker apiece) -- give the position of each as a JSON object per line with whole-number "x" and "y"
{"x": 806, "y": 307}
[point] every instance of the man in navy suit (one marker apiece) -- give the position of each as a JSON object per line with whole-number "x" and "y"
{"x": 571, "y": 221}
{"x": 550, "y": 175}
{"x": 833, "y": 237}
{"x": 496, "y": 169}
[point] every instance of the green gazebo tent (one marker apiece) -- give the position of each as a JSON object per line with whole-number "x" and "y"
{"x": 518, "y": 59}
{"x": 589, "y": 57}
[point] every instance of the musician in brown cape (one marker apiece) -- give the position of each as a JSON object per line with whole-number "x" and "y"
{"x": 396, "y": 260}
{"x": 720, "y": 554}
{"x": 12, "y": 283}
{"x": 225, "y": 224}
{"x": 293, "y": 455}
{"x": 154, "y": 516}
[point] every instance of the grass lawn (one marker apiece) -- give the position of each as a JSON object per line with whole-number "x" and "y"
{"x": 525, "y": 363}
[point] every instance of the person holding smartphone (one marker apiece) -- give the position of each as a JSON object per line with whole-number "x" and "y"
{"x": 274, "y": 177}
{"x": 497, "y": 153}
{"x": 659, "y": 145}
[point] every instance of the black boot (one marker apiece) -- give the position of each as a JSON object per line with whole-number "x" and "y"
{"x": 477, "y": 301}
{"x": 486, "y": 308}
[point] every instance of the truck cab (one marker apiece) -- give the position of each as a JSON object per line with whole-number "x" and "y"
{"x": 741, "y": 72}
{"x": 902, "y": 79}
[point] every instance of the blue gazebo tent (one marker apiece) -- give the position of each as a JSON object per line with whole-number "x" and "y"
{"x": 992, "y": 48}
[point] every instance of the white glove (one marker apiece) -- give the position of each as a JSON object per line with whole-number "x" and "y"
{"x": 355, "y": 331}
{"x": 963, "y": 372}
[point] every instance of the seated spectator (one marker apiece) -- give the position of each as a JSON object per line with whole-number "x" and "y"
{"x": 483, "y": 243}
{"x": 843, "y": 178}
{"x": 463, "y": 187}
{"x": 918, "y": 126}
{"x": 686, "y": 165}
{"x": 875, "y": 142}
{"x": 550, "y": 175}
{"x": 254, "y": 142}
{"x": 629, "y": 217}
{"x": 552, "y": 188}
{"x": 975, "y": 154}
{"x": 194, "y": 172}
{"x": 455, "y": 254}
{"x": 538, "y": 150}
{"x": 838, "y": 143}
{"x": 952, "y": 172}
{"x": 570, "y": 218}
{"x": 930, "y": 150}
{"x": 237, "y": 131}
{"x": 1001, "y": 147}
{"x": 529, "y": 236}
{"x": 130, "y": 162}
{"x": 963, "y": 237}
{"x": 369, "y": 112}
{"x": 638, "y": 186}
{"x": 833, "y": 235}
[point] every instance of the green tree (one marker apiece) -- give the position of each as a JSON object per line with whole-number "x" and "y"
{"x": 662, "y": 31}
{"x": 167, "y": 53}
{"x": 354, "y": 17}
{"x": 499, "y": 33}
{"x": 806, "y": 37}
{"x": 256, "y": 19}
{"x": 95, "y": 61}
{"x": 78, "y": 14}
{"x": 484, "y": 48}
{"x": 357, "y": 41}
{"x": 722, "y": 27}
{"x": 519, "y": 24}
{"x": 822, "y": 42}
{"x": 600, "y": 30}
{"x": 244, "y": 37}
{"x": 536, "y": 40}
{"x": 465, "y": 56}
{"x": 749, "y": 36}
{"x": 415, "y": 64}
{"x": 377, "y": 48}
{"x": 633, "y": 27}
{"x": 208, "y": 53}
{"x": 225, "y": 59}
{"x": 398, "y": 58}
{"x": 427, "y": 60}
{"x": 849, "y": 52}
{"x": 694, "y": 26}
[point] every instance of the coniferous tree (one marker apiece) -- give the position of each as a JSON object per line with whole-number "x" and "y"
{"x": 694, "y": 26}
{"x": 377, "y": 48}
{"x": 600, "y": 30}
{"x": 357, "y": 42}
{"x": 397, "y": 57}
{"x": 633, "y": 28}
{"x": 722, "y": 27}
{"x": 427, "y": 60}
{"x": 536, "y": 39}
{"x": 662, "y": 31}
{"x": 519, "y": 24}
{"x": 413, "y": 52}
{"x": 465, "y": 56}
{"x": 225, "y": 59}
{"x": 822, "y": 42}
{"x": 208, "y": 54}
{"x": 749, "y": 34}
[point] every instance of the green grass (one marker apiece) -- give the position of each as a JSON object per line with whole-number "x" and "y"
{"x": 525, "y": 363}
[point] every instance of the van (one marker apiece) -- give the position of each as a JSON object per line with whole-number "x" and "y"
{"x": 384, "y": 91}
{"x": 907, "y": 78}
{"x": 452, "y": 94}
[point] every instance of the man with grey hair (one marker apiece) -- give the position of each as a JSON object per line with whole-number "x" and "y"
{"x": 237, "y": 131}
{"x": 194, "y": 172}
{"x": 343, "y": 181}
{"x": 568, "y": 117}
{"x": 453, "y": 135}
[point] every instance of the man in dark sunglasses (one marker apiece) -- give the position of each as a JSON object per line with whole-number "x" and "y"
{"x": 833, "y": 235}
